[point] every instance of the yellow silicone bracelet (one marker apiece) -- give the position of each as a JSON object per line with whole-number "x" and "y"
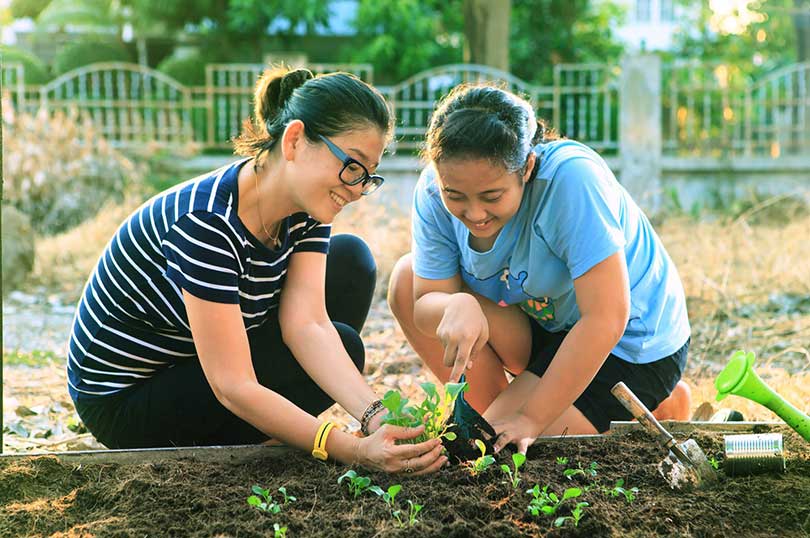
{"x": 319, "y": 446}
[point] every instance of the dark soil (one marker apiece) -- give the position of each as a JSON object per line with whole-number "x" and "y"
{"x": 46, "y": 496}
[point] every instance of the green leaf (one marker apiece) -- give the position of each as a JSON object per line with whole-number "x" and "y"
{"x": 350, "y": 474}
{"x": 454, "y": 389}
{"x": 560, "y": 521}
{"x": 254, "y": 501}
{"x": 518, "y": 459}
{"x": 393, "y": 490}
{"x": 570, "y": 493}
{"x": 548, "y": 510}
{"x": 450, "y": 436}
{"x": 481, "y": 447}
{"x": 506, "y": 469}
{"x": 258, "y": 490}
{"x": 377, "y": 490}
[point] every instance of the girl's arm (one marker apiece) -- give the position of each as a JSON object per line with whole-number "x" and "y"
{"x": 603, "y": 298}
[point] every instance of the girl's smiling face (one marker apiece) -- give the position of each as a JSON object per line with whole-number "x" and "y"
{"x": 483, "y": 195}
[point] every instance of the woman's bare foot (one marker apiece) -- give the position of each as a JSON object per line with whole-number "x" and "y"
{"x": 677, "y": 405}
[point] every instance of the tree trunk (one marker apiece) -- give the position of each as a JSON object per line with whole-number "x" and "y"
{"x": 801, "y": 19}
{"x": 486, "y": 32}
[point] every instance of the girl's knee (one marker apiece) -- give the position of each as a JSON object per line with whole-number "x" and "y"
{"x": 353, "y": 344}
{"x": 352, "y": 254}
{"x": 400, "y": 287}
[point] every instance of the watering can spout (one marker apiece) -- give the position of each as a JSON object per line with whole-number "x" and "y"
{"x": 740, "y": 378}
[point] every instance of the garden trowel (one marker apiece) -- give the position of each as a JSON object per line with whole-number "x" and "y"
{"x": 467, "y": 425}
{"x": 686, "y": 464}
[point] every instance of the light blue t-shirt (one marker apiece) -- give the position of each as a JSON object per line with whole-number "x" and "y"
{"x": 574, "y": 214}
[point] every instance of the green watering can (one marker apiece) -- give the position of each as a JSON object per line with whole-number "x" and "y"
{"x": 740, "y": 379}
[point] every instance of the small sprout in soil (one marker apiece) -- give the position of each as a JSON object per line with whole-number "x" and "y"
{"x": 358, "y": 484}
{"x": 390, "y": 496}
{"x": 714, "y": 462}
{"x": 479, "y": 465}
{"x": 562, "y": 460}
{"x": 576, "y": 515}
{"x": 518, "y": 459}
{"x": 547, "y": 503}
{"x": 287, "y": 498}
{"x": 434, "y": 411}
{"x": 589, "y": 472}
{"x": 263, "y": 501}
{"x": 413, "y": 509}
{"x": 279, "y": 531}
{"x": 619, "y": 489}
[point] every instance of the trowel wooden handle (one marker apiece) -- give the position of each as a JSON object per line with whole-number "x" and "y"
{"x": 640, "y": 412}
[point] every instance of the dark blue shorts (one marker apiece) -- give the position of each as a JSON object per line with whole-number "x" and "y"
{"x": 651, "y": 382}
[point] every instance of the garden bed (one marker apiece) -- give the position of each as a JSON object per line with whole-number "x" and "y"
{"x": 203, "y": 492}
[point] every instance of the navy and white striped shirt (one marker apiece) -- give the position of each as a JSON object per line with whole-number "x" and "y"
{"x": 131, "y": 321}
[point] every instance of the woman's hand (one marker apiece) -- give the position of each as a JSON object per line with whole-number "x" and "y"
{"x": 381, "y": 452}
{"x": 463, "y": 331}
{"x": 517, "y": 428}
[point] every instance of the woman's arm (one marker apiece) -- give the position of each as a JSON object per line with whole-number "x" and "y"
{"x": 222, "y": 346}
{"x": 603, "y": 298}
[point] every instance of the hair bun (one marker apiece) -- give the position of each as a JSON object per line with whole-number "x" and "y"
{"x": 292, "y": 80}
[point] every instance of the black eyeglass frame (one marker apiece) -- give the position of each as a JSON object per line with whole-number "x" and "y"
{"x": 375, "y": 180}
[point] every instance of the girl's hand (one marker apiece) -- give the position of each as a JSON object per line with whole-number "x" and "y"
{"x": 381, "y": 452}
{"x": 516, "y": 428}
{"x": 463, "y": 331}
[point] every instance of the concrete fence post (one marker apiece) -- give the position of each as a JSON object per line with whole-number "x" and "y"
{"x": 640, "y": 129}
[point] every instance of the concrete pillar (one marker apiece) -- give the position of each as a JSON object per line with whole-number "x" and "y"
{"x": 640, "y": 132}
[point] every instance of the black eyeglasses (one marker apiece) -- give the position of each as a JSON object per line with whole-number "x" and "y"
{"x": 353, "y": 171}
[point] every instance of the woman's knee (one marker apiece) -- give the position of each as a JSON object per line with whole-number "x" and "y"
{"x": 400, "y": 287}
{"x": 353, "y": 256}
{"x": 353, "y": 344}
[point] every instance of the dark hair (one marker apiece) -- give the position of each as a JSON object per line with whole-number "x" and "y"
{"x": 484, "y": 121}
{"x": 327, "y": 104}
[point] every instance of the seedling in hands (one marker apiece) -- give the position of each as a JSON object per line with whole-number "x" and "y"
{"x": 358, "y": 484}
{"x": 518, "y": 459}
{"x": 576, "y": 515}
{"x": 262, "y": 500}
{"x": 481, "y": 464}
{"x": 413, "y": 509}
{"x": 619, "y": 489}
{"x": 590, "y": 471}
{"x": 434, "y": 411}
{"x": 547, "y": 503}
{"x": 279, "y": 531}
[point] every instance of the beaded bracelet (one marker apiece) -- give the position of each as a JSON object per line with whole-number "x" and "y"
{"x": 373, "y": 408}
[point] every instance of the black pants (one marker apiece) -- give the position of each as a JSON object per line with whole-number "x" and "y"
{"x": 651, "y": 382}
{"x": 177, "y": 407}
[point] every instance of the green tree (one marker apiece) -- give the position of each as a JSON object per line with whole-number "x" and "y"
{"x": 27, "y": 8}
{"x": 549, "y": 32}
{"x": 402, "y": 37}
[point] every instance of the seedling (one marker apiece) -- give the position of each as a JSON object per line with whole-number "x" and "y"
{"x": 287, "y": 498}
{"x": 358, "y": 484}
{"x": 547, "y": 503}
{"x": 434, "y": 411}
{"x": 576, "y": 515}
{"x": 562, "y": 460}
{"x": 390, "y": 496}
{"x": 413, "y": 509}
{"x": 589, "y": 472}
{"x": 619, "y": 489}
{"x": 279, "y": 531}
{"x": 481, "y": 464}
{"x": 518, "y": 459}
{"x": 714, "y": 463}
{"x": 263, "y": 501}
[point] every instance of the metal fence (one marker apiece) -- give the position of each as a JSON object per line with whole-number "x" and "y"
{"x": 706, "y": 110}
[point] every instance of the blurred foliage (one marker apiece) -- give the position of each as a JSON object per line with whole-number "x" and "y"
{"x": 59, "y": 170}
{"x": 82, "y": 13}
{"x": 768, "y": 42}
{"x": 189, "y": 70}
{"x": 27, "y": 8}
{"x": 402, "y": 37}
{"x": 88, "y": 51}
{"x": 549, "y": 32}
{"x": 36, "y": 72}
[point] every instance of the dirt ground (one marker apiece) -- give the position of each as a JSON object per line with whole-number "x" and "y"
{"x": 41, "y": 496}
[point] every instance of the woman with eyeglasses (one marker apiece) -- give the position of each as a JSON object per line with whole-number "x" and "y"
{"x": 530, "y": 259}
{"x": 221, "y": 312}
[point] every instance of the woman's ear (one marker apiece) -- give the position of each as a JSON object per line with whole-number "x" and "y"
{"x": 527, "y": 174}
{"x": 292, "y": 139}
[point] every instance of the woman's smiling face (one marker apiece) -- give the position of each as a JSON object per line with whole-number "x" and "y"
{"x": 482, "y": 194}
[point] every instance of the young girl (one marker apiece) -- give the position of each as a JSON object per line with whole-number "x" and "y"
{"x": 221, "y": 312}
{"x": 530, "y": 258}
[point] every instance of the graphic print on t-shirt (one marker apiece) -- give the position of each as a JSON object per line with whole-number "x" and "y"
{"x": 508, "y": 288}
